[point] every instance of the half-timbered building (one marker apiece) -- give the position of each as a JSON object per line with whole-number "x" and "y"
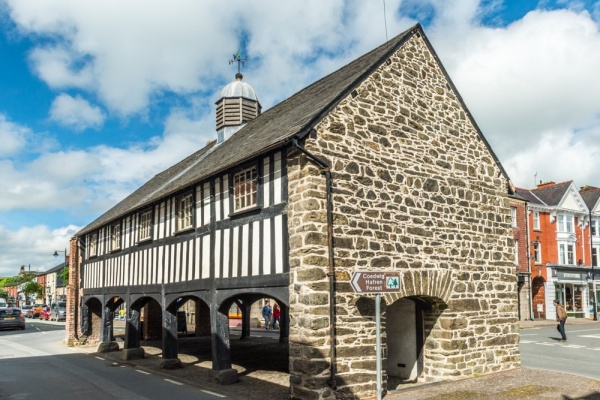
{"x": 378, "y": 166}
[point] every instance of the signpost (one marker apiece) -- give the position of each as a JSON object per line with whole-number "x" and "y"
{"x": 376, "y": 282}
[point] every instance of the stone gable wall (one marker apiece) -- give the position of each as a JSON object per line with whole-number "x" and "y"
{"x": 415, "y": 189}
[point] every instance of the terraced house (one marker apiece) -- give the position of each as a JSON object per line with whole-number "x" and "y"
{"x": 378, "y": 166}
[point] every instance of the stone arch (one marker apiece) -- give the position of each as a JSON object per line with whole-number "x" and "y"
{"x": 432, "y": 284}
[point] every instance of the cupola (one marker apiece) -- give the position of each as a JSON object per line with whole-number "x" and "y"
{"x": 237, "y": 105}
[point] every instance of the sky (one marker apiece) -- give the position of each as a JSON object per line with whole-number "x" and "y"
{"x": 96, "y": 97}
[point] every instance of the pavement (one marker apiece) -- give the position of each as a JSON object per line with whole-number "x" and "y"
{"x": 256, "y": 383}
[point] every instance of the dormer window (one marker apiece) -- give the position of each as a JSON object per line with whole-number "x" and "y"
{"x": 145, "y": 225}
{"x": 184, "y": 212}
{"x": 245, "y": 185}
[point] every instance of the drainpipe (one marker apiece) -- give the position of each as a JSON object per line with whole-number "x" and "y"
{"x": 326, "y": 170}
{"x": 592, "y": 263}
{"x": 530, "y": 283}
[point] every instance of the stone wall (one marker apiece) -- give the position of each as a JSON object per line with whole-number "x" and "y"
{"x": 415, "y": 189}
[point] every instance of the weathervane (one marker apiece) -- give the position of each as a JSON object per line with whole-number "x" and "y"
{"x": 237, "y": 57}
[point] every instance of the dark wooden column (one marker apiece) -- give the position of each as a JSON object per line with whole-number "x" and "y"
{"x": 107, "y": 325}
{"x": 284, "y": 324}
{"x": 221, "y": 349}
{"x": 245, "y": 306}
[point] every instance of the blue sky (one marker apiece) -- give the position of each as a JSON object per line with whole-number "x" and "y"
{"x": 96, "y": 97}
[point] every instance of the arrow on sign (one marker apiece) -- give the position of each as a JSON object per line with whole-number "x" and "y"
{"x": 374, "y": 282}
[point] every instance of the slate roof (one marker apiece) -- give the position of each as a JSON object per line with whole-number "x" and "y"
{"x": 550, "y": 195}
{"x": 591, "y": 196}
{"x": 293, "y": 117}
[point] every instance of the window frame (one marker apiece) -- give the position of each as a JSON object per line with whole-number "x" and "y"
{"x": 566, "y": 253}
{"x": 93, "y": 246}
{"x": 536, "y": 220}
{"x": 144, "y": 225}
{"x": 253, "y": 195}
{"x": 185, "y": 208}
{"x": 114, "y": 240}
{"x": 566, "y": 223}
{"x": 513, "y": 216}
{"x": 537, "y": 252}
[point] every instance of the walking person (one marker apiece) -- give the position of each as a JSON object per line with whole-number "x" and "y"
{"x": 267, "y": 313}
{"x": 561, "y": 318}
{"x": 276, "y": 315}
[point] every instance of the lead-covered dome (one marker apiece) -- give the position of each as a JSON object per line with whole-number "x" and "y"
{"x": 239, "y": 88}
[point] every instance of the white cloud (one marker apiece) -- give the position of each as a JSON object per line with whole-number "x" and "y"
{"x": 33, "y": 247}
{"x": 76, "y": 112}
{"x": 12, "y": 136}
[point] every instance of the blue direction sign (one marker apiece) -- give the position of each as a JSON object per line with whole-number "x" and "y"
{"x": 373, "y": 282}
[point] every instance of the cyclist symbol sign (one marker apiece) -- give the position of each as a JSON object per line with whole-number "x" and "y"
{"x": 373, "y": 282}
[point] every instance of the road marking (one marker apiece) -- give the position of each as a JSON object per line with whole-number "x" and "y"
{"x": 527, "y": 341}
{"x": 143, "y": 372}
{"x": 596, "y": 349}
{"x": 573, "y": 346}
{"x": 590, "y": 336}
{"x": 174, "y": 382}
{"x": 546, "y": 344}
{"x": 213, "y": 393}
{"x": 100, "y": 358}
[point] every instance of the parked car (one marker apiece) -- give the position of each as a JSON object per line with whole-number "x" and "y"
{"x": 11, "y": 318}
{"x": 58, "y": 311}
{"x": 25, "y": 309}
{"x": 45, "y": 313}
{"x": 34, "y": 311}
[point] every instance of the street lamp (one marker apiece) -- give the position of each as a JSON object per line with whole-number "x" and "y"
{"x": 60, "y": 251}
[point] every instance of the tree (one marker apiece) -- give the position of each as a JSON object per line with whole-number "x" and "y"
{"x": 64, "y": 274}
{"x": 30, "y": 289}
{"x": 3, "y": 294}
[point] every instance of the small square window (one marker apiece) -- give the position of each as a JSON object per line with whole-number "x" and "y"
{"x": 184, "y": 212}
{"x": 145, "y": 225}
{"x": 245, "y": 185}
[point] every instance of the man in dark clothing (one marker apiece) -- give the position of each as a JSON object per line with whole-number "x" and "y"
{"x": 561, "y": 317}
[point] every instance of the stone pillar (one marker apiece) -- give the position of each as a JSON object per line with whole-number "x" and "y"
{"x": 169, "y": 334}
{"x": 132, "y": 329}
{"x": 221, "y": 349}
{"x": 106, "y": 335}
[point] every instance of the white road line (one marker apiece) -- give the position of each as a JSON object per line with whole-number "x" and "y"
{"x": 143, "y": 372}
{"x": 546, "y": 344}
{"x": 573, "y": 346}
{"x": 100, "y": 358}
{"x": 213, "y": 393}
{"x": 174, "y": 382}
{"x": 527, "y": 341}
{"x": 596, "y": 349}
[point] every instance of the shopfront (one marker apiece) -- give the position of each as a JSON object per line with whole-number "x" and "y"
{"x": 575, "y": 288}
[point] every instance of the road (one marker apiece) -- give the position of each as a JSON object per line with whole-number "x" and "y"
{"x": 35, "y": 364}
{"x": 541, "y": 349}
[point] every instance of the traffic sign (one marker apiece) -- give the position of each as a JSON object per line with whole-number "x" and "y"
{"x": 373, "y": 282}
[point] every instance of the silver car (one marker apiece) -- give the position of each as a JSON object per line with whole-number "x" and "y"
{"x": 11, "y": 318}
{"x": 58, "y": 311}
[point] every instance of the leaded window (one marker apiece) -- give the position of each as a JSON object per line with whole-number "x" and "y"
{"x": 145, "y": 225}
{"x": 184, "y": 212}
{"x": 245, "y": 187}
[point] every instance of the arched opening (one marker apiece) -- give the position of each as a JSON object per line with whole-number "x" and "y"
{"x": 408, "y": 322}
{"x": 91, "y": 320}
{"x": 539, "y": 298}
